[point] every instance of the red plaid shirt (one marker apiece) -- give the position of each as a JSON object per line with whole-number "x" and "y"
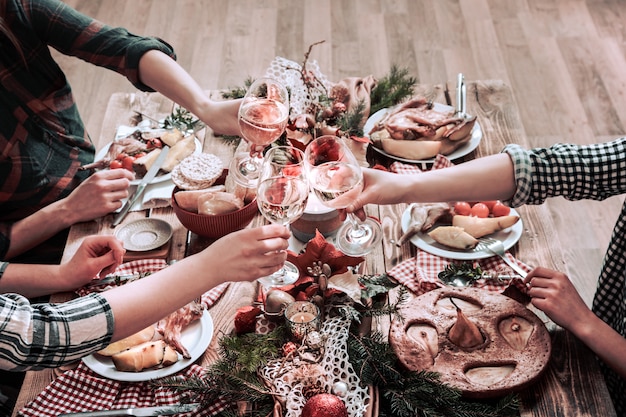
{"x": 42, "y": 137}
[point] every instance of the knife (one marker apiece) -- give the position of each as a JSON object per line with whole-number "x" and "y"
{"x": 460, "y": 94}
{"x": 164, "y": 410}
{"x": 147, "y": 179}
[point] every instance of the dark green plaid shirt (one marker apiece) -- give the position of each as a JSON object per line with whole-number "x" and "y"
{"x": 42, "y": 137}
{"x": 592, "y": 172}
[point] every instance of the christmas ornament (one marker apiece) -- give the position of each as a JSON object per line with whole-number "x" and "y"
{"x": 340, "y": 388}
{"x": 324, "y": 405}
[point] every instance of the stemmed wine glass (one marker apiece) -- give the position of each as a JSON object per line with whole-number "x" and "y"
{"x": 336, "y": 178}
{"x": 282, "y": 194}
{"x": 263, "y": 116}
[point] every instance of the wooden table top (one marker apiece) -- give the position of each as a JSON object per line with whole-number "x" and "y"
{"x": 564, "y": 389}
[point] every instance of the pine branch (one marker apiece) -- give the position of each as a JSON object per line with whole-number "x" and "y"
{"x": 392, "y": 89}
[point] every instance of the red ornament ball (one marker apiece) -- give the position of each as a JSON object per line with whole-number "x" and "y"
{"x": 324, "y": 405}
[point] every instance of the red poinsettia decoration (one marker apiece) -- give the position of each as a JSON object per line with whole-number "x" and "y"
{"x": 318, "y": 252}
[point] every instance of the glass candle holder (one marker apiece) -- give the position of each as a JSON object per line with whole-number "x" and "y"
{"x": 302, "y": 317}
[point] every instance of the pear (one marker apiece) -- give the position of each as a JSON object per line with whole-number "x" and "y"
{"x": 483, "y": 226}
{"x": 464, "y": 332}
{"x": 454, "y": 237}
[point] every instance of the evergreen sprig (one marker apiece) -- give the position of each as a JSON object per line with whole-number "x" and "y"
{"x": 392, "y": 89}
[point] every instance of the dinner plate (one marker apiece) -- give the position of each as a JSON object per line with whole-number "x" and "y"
{"x": 477, "y": 135}
{"x": 509, "y": 237}
{"x": 196, "y": 338}
{"x": 162, "y": 176}
{"x": 144, "y": 234}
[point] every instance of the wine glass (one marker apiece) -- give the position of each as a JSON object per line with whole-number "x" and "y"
{"x": 282, "y": 194}
{"x": 336, "y": 179}
{"x": 263, "y": 116}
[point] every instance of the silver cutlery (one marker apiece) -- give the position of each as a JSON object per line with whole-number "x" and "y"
{"x": 497, "y": 248}
{"x": 164, "y": 410}
{"x": 147, "y": 179}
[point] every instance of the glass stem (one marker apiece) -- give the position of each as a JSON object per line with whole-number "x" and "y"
{"x": 357, "y": 229}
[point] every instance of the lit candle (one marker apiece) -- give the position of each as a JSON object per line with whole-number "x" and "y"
{"x": 302, "y": 317}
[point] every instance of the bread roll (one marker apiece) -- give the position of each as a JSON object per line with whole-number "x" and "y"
{"x": 218, "y": 203}
{"x": 188, "y": 199}
{"x": 142, "y": 336}
{"x": 144, "y": 356}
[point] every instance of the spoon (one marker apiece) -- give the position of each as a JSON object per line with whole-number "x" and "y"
{"x": 461, "y": 281}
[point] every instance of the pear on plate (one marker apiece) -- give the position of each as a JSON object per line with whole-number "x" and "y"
{"x": 483, "y": 226}
{"x": 453, "y": 237}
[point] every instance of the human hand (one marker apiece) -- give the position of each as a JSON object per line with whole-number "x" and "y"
{"x": 379, "y": 187}
{"x": 98, "y": 195}
{"x": 96, "y": 255}
{"x": 249, "y": 254}
{"x": 553, "y": 293}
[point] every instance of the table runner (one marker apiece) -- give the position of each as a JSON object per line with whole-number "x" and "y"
{"x": 81, "y": 389}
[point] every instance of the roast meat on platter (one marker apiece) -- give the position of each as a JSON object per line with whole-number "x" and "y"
{"x": 417, "y": 129}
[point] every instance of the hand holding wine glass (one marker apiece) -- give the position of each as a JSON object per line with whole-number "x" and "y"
{"x": 282, "y": 195}
{"x": 263, "y": 117}
{"x": 336, "y": 178}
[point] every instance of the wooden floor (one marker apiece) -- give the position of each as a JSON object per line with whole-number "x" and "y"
{"x": 564, "y": 59}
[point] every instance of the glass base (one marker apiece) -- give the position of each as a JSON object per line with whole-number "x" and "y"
{"x": 358, "y": 240}
{"x": 246, "y": 170}
{"x": 288, "y": 274}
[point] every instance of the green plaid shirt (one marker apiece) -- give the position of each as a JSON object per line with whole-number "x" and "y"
{"x": 593, "y": 172}
{"x": 42, "y": 137}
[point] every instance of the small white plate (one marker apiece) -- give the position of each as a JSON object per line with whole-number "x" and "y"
{"x": 144, "y": 234}
{"x": 509, "y": 237}
{"x": 477, "y": 135}
{"x": 196, "y": 338}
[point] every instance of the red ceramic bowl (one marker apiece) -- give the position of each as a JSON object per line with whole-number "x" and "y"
{"x": 218, "y": 225}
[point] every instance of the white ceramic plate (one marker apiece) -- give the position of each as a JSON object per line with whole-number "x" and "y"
{"x": 144, "y": 234}
{"x": 509, "y": 237}
{"x": 196, "y": 338}
{"x": 162, "y": 176}
{"x": 477, "y": 135}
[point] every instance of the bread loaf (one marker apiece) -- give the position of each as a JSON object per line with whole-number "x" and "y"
{"x": 142, "y": 336}
{"x": 218, "y": 203}
{"x": 144, "y": 356}
{"x": 188, "y": 199}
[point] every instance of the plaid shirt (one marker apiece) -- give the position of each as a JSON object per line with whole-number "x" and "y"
{"x": 42, "y": 137}
{"x": 593, "y": 172}
{"x": 36, "y": 336}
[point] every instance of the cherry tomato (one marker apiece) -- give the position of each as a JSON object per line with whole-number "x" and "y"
{"x": 490, "y": 204}
{"x": 121, "y": 156}
{"x": 462, "y": 208}
{"x": 500, "y": 209}
{"x": 115, "y": 164}
{"x": 154, "y": 143}
{"x": 127, "y": 163}
{"x": 480, "y": 210}
{"x": 139, "y": 155}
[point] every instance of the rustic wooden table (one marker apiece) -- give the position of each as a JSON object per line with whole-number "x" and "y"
{"x": 571, "y": 385}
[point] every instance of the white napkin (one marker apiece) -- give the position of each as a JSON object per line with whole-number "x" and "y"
{"x": 157, "y": 194}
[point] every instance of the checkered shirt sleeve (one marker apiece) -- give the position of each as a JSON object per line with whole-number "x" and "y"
{"x": 596, "y": 172}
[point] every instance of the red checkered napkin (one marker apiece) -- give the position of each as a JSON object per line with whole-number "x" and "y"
{"x": 420, "y": 274}
{"x": 81, "y": 389}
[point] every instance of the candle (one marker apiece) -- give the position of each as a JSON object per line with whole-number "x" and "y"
{"x": 302, "y": 317}
{"x": 316, "y": 216}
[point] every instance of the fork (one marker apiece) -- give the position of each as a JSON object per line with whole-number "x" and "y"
{"x": 497, "y": 248}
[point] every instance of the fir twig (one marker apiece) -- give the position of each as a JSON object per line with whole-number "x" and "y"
{"x": 392, "y": 89}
